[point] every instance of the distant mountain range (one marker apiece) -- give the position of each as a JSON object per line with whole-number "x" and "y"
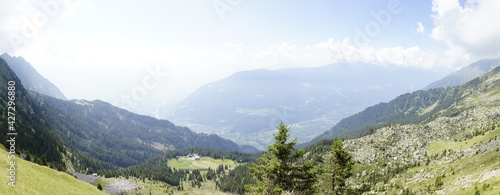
{"x": 247, "y": 106}
{"x": 30, "y": 78}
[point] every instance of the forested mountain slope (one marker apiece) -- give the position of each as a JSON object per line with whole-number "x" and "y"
{"x": 36, "y": 138}
{"x": 120, "y": 137}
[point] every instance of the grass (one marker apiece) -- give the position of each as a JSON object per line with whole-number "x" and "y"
{"x": 464, "y": 176}
{"x": 423, "y": 111}
{"x": 475, "y": 169}
{"x": 477, "y": 173}
{"x": 441, "y": 145}
{"x": 34, "y": 179}
{"x": 460, "y": 177}
{"x": 203, "y": 163}
{"x": 207, "y": 187}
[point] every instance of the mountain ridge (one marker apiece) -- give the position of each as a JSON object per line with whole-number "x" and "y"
{"x": 465, "y": 74}
{"x": 408, "y": 108}
{"x": 30, "y": 77}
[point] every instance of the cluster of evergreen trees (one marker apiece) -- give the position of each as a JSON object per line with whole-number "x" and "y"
{"x": 281, "y": 168}
{"x": 284, "y": 169}
{"x": 236, "y": 180}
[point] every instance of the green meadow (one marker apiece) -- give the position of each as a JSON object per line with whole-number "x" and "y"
{"x": 34, "y": 179}
{"x": 203, "y": 163}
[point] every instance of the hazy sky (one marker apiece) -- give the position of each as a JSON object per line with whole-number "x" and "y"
{"x": 163, "y": 50}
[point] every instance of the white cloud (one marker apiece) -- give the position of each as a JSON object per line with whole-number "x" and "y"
{"x": 442, "y": 7}
{"x": 420, "y": 28}
{"x": 333, "y": 51}
{"x": 470, "y": 30}
{"x": 24, "y": 21}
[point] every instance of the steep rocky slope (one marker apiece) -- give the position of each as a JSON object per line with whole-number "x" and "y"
{"x": 455, "y": 153}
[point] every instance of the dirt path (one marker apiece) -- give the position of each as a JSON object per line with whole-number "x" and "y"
{"x": 83, "y": 177}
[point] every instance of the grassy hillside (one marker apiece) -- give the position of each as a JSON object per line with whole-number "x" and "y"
{"x": 35, "y": 179}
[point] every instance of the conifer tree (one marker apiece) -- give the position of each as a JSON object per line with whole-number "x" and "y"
{"x": 336, "y": 169}
{"x": 99, "y": 186}
{"x": 280, "y": 168}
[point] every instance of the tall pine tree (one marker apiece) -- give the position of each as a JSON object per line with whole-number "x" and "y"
{"x": 336, "y": 169}
{"x": 282, "y": 169}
